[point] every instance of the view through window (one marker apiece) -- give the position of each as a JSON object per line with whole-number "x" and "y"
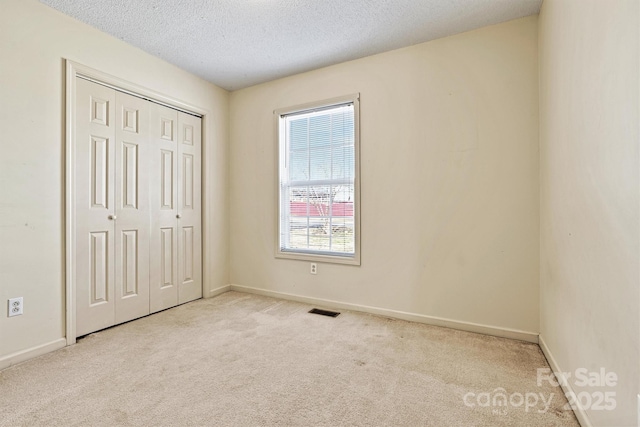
{"x": 318, "y": 181}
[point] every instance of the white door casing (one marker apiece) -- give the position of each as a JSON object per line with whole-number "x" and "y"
{"x": 74, "y": 150}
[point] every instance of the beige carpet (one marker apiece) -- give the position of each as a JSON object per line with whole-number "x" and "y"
{"x": 246, "y": 360}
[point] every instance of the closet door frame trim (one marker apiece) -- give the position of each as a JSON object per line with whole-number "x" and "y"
{"x": 73, "y": 71}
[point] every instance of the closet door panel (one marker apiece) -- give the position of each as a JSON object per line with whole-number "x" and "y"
{"x": 138, "y": 207}
{"x": 189, "y": 208}
{"x": 164, "y": 207}
{"x": 94, "y": 207}
{"x": 132, "y": 159}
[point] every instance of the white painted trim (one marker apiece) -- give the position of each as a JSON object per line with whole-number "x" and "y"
{"x": 581, "y": 414}
{"x": 217, "y": 291}
{"x": 412, "y": 317}
{"x": 136, "y": 94}
{"x": 355, "y": 260}
{"x": 69, "y": 198}
{"x": 30, "y": 353}
{"x": 73, "y": 70}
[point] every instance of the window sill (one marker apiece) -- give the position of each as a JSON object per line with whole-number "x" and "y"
{"x": 329, "y": 259}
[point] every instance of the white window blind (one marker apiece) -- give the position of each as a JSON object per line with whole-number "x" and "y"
{"x": 317, "y": 181}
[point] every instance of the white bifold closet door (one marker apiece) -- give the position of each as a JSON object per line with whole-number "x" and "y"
{"x": 176, "y": 246}
{"x": 126, "y": 189}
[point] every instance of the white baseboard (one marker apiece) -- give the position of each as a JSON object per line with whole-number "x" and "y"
{"x": 413, "y": 317}
{"x": 21, "y": 356}
{"x": 218, "y": 291}
{"x": 581, "y": 414}
{"x": 30, "y": 353}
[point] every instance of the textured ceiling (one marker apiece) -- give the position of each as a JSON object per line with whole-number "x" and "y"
{"x": 239, "y": 43}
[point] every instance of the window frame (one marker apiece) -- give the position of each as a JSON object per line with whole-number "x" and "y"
{"x": 279, "y": 139}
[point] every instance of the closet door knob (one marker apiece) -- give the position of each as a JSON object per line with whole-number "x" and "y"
{"x": 112, "y": 217}
{"x": 178, "y": 216}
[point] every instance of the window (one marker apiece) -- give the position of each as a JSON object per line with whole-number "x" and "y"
{"x": 318, "y": 183}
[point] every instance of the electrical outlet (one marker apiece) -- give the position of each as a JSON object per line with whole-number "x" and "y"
{"x": 16, "y": 306}
{"x": 314, "y": 268}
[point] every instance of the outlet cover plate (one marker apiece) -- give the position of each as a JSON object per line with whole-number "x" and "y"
{"x": 15, "y": 306}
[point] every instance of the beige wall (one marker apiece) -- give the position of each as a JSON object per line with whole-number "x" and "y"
{"x": 449, "y": 135}
{"x": 589, "y": 139}
{"x": 34, "y": 39}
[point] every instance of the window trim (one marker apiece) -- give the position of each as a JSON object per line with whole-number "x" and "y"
{"x": 310, "y": 107}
